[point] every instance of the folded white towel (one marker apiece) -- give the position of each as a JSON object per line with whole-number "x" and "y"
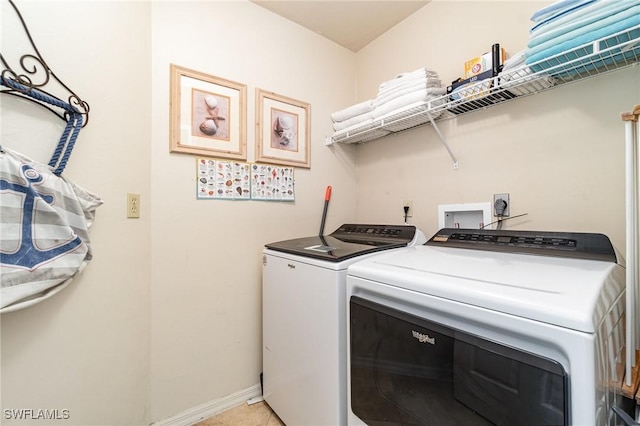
{"x": 339, "y": 125}
{"x": 352, "y": 111}
{"x": 412, "y": 86}
{"x": 425, "y": 81}
{"x": 393, "y": 121}
{"x": 401, "y": 78}
{"x": 420, "y": 71}
{"x": 515, "y": 60}
{"x": 362, "y": 126}
{"x": 402, "y": 101}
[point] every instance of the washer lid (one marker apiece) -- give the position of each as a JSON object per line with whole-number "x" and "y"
{"x": 348, "y": 241}
{"x": 566, "y": 292}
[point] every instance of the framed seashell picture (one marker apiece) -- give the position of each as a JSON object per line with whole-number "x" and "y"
{"x": 207, "y": 115}
{"x": 283, "y": 130}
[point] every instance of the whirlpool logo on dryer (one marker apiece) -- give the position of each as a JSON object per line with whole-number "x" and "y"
{"x": 423, "y": 338}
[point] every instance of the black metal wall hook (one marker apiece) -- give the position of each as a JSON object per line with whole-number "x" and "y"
{"x": 32, "y": 74}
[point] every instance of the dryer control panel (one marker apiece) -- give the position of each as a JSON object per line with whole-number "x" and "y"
{"x": 563, "y": 244}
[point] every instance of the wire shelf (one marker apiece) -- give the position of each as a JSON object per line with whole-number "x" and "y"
{"x": 601, "y": 56}
{"x": 412, "y": 115}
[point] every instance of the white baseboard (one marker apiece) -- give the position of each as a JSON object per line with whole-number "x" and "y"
{"x": 211, "y": 408}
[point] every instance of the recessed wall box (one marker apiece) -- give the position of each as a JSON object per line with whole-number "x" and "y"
{"x": 468, "y": 215}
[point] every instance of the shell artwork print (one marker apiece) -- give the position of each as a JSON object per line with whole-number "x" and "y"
{"x": 210, "y": 112}
{"x": 284, "y": 130}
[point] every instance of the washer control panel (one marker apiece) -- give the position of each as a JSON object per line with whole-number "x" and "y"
{"x": 564, "y": 244}
{"x": 389, "y": 233}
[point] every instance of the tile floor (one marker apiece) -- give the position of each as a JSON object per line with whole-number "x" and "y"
{"x": 258, "y": 414}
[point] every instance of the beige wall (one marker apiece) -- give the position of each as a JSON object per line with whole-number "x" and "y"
{"x": 86, "y": 349}
{"x": 206, "y": 255}
{"x": 559, "y": 154}
{"x": 168, "y": 314}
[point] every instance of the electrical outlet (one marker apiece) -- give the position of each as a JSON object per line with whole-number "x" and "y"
{"x": 408, "y": 203}
{"x": 505, "y": 198}
{"x": 133, "y": 206}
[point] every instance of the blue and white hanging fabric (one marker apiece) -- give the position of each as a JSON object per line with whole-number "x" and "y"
{"x": 44, "y": 219}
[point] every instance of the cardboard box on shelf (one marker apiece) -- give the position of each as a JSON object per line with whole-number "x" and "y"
{"x": 479, "y": 87}
{"x": 490, "y": 61}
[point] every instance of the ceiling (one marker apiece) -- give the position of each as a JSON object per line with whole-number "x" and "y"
{"x": 352, "y": 24}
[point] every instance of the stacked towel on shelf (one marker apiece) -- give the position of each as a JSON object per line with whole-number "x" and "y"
{"x": 354, "y": 116}
{"x": 404, "y": 95}
{"x": 408, "y": 90}
{"x": 569, "y": 24}
{"x": 518, "y": 78}
{"x": 408, "y": 78}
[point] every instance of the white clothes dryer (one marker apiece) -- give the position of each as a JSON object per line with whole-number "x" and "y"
{"x": 480, "y": 327}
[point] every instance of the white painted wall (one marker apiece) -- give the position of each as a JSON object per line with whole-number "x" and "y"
{"x": 86, "y": 349}
{"x": 168, "y": 314}
{"x": 206, "y": 255}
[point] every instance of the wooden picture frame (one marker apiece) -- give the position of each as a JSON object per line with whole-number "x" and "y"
{"x": 207, "y": 115}
{"x": 283, "y": 130}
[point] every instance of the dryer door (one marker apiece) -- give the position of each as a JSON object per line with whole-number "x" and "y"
{"x": 405, "y": 370}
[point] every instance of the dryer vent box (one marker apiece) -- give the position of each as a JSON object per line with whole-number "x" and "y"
{"x": 469, "y": 216}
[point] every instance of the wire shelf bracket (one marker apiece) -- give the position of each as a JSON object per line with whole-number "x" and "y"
{"x": 444, "y": 142}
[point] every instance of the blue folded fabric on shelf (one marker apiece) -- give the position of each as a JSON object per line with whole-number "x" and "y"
{"x": 556, "y": 10}
{"x": 624, "y": 19}
{"x": 583, "y": 60}
{"x": 593, "y": 12}
{"x": 623, "y": 30}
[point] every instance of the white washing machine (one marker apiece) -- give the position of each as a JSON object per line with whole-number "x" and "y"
{"x": 304, "y": 318}
{"x": 487, "y": 327}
